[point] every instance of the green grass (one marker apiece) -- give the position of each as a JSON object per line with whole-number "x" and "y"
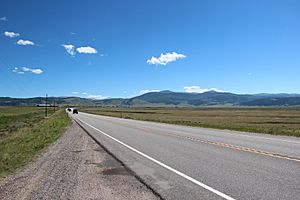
{"x": 14, "y": 118}
{"x": 276, "y": 121}
{"x": 22, "y": 143}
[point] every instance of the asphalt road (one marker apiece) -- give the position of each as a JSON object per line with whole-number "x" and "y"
{"x": 181, "y": 162}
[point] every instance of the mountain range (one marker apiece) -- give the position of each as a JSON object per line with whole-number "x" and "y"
{"x": 167, "y": 99}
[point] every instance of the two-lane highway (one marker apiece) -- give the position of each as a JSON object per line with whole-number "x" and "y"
{"x": 196, "y": 163}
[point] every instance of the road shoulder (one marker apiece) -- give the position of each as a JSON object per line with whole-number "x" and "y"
{"x": 74, "y": 167}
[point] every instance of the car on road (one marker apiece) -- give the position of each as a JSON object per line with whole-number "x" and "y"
{"x": 75, "y": 111}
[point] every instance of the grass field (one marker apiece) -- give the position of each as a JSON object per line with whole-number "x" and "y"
{"x": 14, "y": 118}
{"x": 276, "y": 121}
{"x": 24, "y": 132}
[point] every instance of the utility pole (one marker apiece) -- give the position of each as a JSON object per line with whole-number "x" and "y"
{"x": 46, "y": 108}
{"x": 54, "y": 104}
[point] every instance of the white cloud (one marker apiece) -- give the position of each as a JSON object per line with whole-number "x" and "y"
{"x": 197, "y": 89}
{"x": 164, "y": 59}
{"x": 24, "y": 70}
{"x": 70, "y": 48}
{"x": 11, "y": 34}
{"x": 91, "y": 96}
{"x": 87, "y": 49}
{"x": 36, "y": 71}
{"x": 147, "y": 91}
{"x": 194, "y": 89}
{"x": 32, "y": 70}
{"x": 96, "y": 96}
{"x": 25, "y": 42}
{"x": 3, "y": 18}
{"x": 16, "y": 70}
{"x": 216, "y": 90}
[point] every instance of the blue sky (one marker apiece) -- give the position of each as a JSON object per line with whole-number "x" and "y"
{"x": 124, "y": 48}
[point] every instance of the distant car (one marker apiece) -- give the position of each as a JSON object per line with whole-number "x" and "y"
{"x": 75, "y": 111}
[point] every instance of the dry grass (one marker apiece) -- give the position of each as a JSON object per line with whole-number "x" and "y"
{"x": 14, "y": 118}
{"x": 24, "y": 133}
{"x": 277, "y": 121}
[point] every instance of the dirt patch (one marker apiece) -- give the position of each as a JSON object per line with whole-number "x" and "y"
{"x": 116, "y": 171}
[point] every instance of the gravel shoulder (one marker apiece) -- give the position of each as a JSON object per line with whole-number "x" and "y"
{"x": 74, "y": 167}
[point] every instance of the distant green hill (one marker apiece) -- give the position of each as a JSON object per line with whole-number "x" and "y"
{"x": 167, "y": 99}
{"x": 283, "y": 101}
{"x": 194, "y": 99}
{"x": 74, "y": 101}
{"x": 212, "y": 98}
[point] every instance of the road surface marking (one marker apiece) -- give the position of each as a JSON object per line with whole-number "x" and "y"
{"x": 163, "y": 165}
{"x": 239, "y": 148}
{"x": 220, "y": 144}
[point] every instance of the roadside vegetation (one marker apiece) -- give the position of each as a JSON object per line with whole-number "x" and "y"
{"x": 276, "y": 121}
{"x": 24, "y": 132}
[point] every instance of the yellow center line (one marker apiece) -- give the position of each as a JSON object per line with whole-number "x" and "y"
{"x": 239, "y": 148}
{"x": 220, "y": 144}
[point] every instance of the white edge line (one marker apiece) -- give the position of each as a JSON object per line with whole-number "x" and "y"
{"x": 164, "y": 165}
